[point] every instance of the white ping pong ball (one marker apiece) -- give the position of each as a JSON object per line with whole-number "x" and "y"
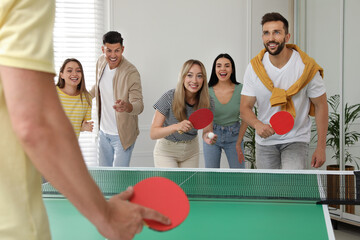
{"x": 211, "y": 135}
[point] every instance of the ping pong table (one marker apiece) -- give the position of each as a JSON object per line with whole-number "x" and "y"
{"x": 230, "y": 204}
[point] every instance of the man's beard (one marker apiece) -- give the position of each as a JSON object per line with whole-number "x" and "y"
{"x": 278, "y": 50}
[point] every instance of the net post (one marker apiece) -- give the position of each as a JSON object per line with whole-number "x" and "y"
{"x": 357, "y": 183}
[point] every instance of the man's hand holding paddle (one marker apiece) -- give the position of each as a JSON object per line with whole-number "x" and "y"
{"x": 164, "y": 196}
{"x": 126, "y": 219}
{"x": 264, "y": 130}
{"x": 280, "y": 123}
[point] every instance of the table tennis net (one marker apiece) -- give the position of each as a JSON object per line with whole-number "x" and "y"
{"x": 324, "y": 187}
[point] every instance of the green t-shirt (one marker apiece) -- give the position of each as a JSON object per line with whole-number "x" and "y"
{"x": 229, "y": 113}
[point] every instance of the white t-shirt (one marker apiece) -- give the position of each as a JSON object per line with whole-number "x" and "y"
{"x": 108, "y": 119}
{"x": 283, "y": 78}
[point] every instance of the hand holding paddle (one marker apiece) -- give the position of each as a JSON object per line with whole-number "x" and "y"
{"x": 263, "y": 130}
{"x": 201, "y": 118}
{"x": 184, "y": 126}
{"x": 282, "y": 122}
{"x": 123, "y": 219}
{"x": 164, "y": 196}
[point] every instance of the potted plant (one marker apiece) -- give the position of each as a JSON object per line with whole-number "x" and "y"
{"x": 351, "y": 114}
{"x": 249, "y": 145}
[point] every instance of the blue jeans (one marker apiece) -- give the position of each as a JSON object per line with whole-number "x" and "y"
{"x": 111, "y": 152}
{"x": 227, "y": 137}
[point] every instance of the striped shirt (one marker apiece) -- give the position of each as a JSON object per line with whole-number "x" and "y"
{"x": 164, "y": 106}
{"x": 76, "y": 110}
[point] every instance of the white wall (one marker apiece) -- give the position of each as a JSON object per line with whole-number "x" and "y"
{"x": 318, "y": 25}
{"x": 323, "y": 39}
{"x": 323, "y": 36}
{"x": 351, "y": 63}
{"x": 258, "y": 9}
{"x": 160, "y": 35}
{"x": 351, "y": 51}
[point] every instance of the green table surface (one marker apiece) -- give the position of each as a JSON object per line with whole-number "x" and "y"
{"x": 211, "y": 219}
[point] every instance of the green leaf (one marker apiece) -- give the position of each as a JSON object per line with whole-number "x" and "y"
{"x": 351, "y": 114}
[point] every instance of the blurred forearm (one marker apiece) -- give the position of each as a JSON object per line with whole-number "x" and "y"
{"x": 48, "y": 139}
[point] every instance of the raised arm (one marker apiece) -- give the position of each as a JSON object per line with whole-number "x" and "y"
{"x": 135, "y": 105}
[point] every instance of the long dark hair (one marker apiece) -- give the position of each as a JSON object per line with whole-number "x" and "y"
{"x": 214, "y": 79}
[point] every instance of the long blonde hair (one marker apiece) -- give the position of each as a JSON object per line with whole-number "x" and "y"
{"x": 81, "y": 87}
{"x": 203, "y": 98}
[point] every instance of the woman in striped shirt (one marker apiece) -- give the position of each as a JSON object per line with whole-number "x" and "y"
{"x": 177, "y": 143}
{"x": 74, "y": 97}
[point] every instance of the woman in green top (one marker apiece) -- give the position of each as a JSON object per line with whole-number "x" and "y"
{"x": 226, "y": 92}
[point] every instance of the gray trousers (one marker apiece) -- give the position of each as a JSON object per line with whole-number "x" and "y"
{"x": 282, "y": 156}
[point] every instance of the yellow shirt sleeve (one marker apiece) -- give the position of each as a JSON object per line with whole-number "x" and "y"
{"x": 26, "y": 30}
{"x": 26, "y": 34}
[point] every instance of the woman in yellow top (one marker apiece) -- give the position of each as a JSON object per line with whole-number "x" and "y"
{"x": 74, "y": 97}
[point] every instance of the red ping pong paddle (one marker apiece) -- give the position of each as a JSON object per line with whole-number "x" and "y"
{"x": 201, "y": 118}
{"x": 164, "y": 196}
{"x": 282, "y": 122}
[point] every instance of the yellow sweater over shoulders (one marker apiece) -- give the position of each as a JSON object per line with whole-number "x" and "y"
{"x": 282, "y": 97}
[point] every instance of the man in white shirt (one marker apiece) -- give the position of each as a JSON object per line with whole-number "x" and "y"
{"x": 119, "y": 101}
{"x": 283, "y": 65}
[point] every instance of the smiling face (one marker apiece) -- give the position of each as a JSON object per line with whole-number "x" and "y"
{"x": 113, "y": 53}
{"x": 274, "y": 37}
{"x": 194, "y": 79}
{"x": 223, "y": 69}
{"x": 72, "y": 74}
